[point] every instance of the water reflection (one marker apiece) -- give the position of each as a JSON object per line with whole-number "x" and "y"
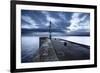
{"x": 30, "y": 44}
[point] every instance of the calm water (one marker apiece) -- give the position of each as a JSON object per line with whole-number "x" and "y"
{"x": 30, "y": 44}
{"x": 78, "y": 39}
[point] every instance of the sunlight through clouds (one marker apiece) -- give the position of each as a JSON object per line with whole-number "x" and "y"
{"x": 77, "y": 23}
{"x": 30, "y": 21}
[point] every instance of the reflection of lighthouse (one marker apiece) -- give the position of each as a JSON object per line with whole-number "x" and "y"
{"x": 50, "y": 30}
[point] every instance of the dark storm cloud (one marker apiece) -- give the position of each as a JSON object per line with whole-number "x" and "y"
{"x": 41, "y": 19}
{"x": 65, "y": 21}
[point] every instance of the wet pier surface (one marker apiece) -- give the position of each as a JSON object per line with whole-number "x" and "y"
{"x": 60, "y": 50}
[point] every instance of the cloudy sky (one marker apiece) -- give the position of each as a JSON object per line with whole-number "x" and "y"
{"x": 66, "y": 21}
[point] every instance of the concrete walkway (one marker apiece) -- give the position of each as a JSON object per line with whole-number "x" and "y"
{"x": 67, "y": 50}
{"x": 61, "y": 50}
{"x": 46, "y": 52}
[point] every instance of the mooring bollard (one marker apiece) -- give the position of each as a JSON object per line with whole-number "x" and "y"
{"x": 65, "y": 43}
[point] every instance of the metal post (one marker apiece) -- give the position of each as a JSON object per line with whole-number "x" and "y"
{"x": 50, "y": 30}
